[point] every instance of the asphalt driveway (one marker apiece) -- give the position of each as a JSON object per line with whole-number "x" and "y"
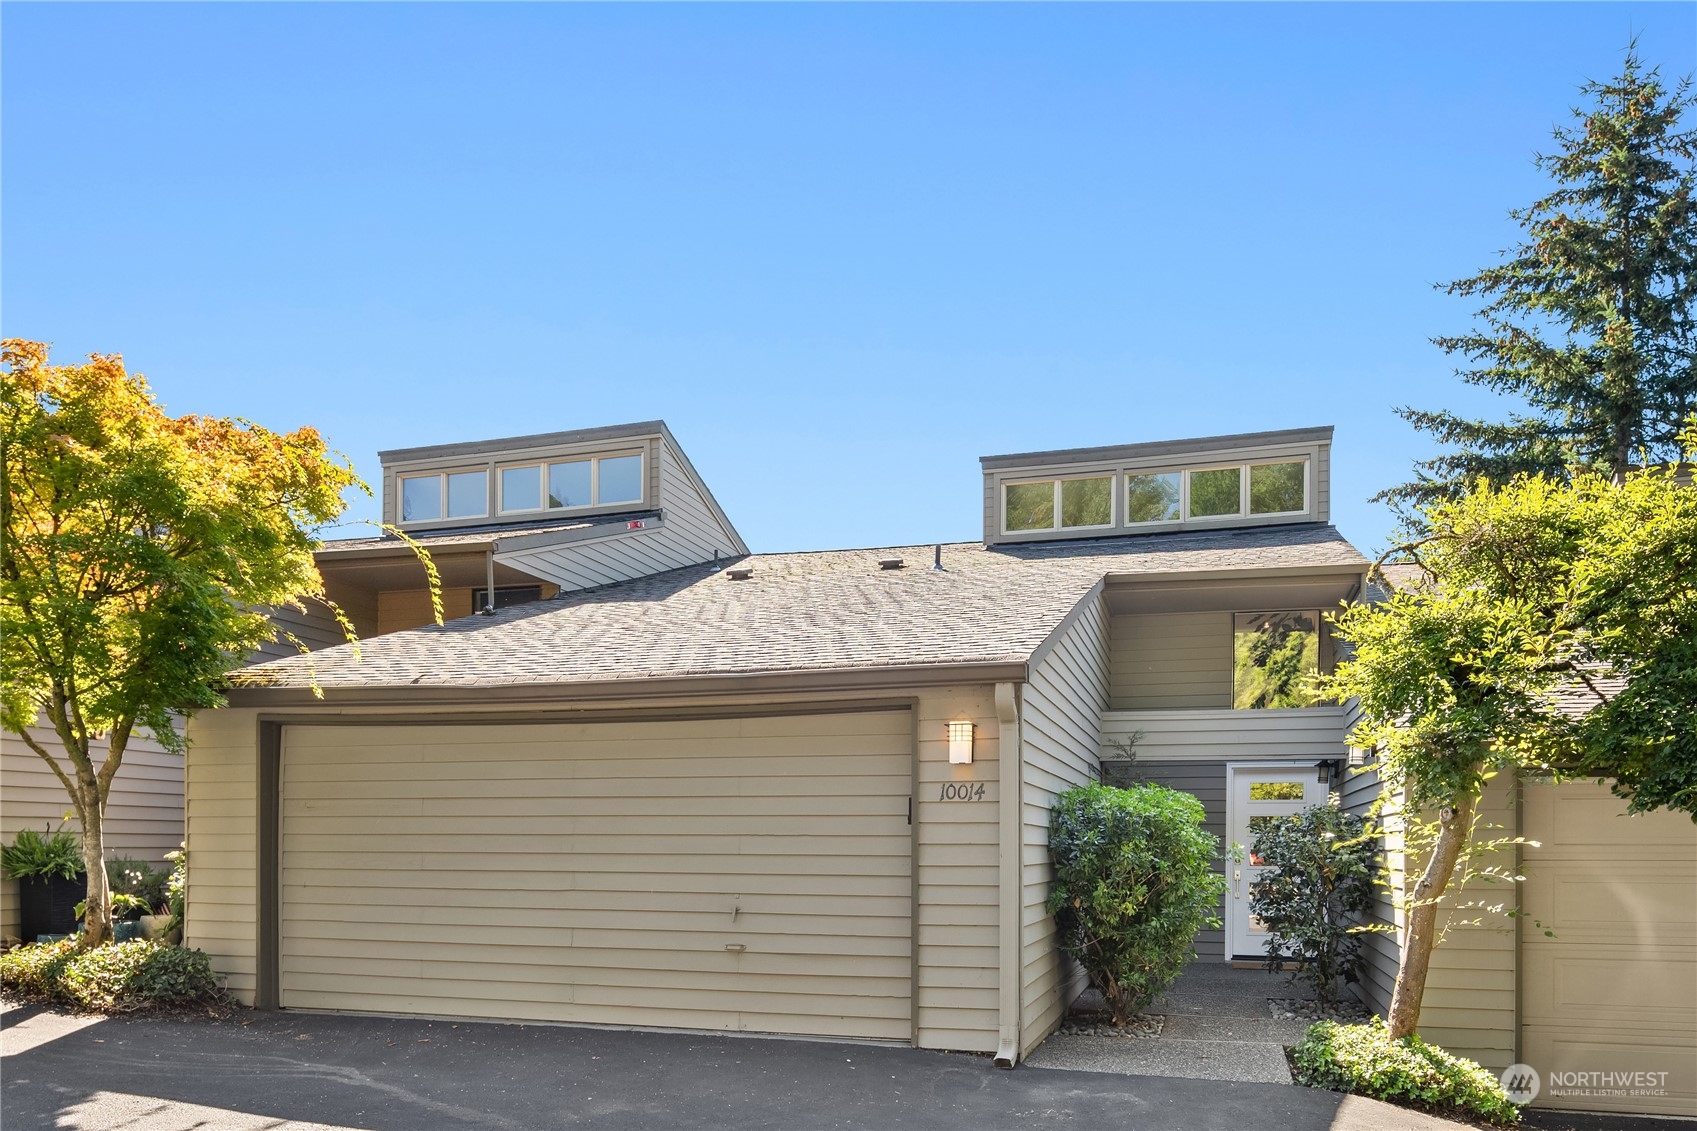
{"x": 270, "y": 1070}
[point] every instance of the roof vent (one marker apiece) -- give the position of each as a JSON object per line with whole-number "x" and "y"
{"x": 740, "y": 574}
{"x": 889, "y": 563}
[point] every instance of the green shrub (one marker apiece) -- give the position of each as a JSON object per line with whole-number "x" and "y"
{"x": 116, "y": 976}
{"x": 32, "y": 855}
{"x": 1365, "y": 1060}
{"x": 1323, "y": 866}
{"x": 139, "y": 879}
{"x": 1134, "y": 882}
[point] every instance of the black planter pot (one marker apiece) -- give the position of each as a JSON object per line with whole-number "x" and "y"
{"x": 47, "y": 905}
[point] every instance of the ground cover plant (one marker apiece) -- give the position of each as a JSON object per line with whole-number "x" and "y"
{"x": 116, "y": 977}
{"x": 1367, "y": 1060}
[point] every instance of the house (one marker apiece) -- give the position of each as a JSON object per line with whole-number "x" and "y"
{"x": 670, "y": 783}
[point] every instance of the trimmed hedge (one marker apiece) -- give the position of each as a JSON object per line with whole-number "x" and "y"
{"x": 1134, "y": 882}
{"x": 118, "y": 976}
{"x": 1363, "y": 1059}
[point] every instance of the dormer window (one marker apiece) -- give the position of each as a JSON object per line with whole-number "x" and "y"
{"x": 1060, "y": 504}
{"x": 564, "y": 484}
{"x": 455, "y": 494}
{"x": 1216, "y": 491}
{"x": 1152, "y": 498}
{"x": 1252, "y": 479}
{"x": 1278, "y": 488}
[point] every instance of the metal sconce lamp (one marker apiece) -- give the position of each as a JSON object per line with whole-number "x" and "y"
{"x": 960, "y": 743}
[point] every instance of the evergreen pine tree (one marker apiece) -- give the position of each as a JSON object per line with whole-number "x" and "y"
{"x": 1589, "y": 320}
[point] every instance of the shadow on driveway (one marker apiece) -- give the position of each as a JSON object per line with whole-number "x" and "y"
{"x": 270, "y": 1070}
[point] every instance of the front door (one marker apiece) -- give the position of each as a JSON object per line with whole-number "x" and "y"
{"x": 1255, "y": 795}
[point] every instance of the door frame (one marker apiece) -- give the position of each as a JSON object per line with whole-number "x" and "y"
{"x": 1314, "y": 792}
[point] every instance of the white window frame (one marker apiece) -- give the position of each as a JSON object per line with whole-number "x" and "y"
{"x": 1123, "y": 481}
{"x": 1242, "y": 492}
{"x": 501, "y": 488}
{"x": 1114, "y": 480}
{"x": 441, "y": 478}
{"x": 1307, "y": 486}
{"x": 595, "y": 478}
{"x": 594, "y": 462}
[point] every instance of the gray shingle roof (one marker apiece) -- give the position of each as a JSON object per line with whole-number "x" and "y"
{"x": 797, "y": 612}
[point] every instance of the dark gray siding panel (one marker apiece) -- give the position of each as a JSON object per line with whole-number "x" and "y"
{"x": 1207, "y": 782}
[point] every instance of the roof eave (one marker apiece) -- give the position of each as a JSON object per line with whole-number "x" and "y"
{"x": 881, "y": 678}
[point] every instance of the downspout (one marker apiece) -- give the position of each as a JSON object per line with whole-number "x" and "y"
{"x": 1010, "y": 758}
{"x": 488, "y": 608}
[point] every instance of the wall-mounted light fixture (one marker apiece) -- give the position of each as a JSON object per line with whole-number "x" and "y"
{"x": 960, "y": 743}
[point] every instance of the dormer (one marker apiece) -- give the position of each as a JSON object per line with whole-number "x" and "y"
{"x": 554, "y": 476}
{"x": 523, "y": 519}
{"x": 1210, "y": 483}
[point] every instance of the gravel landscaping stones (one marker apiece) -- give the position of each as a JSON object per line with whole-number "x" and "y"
{"x": 1094, "y": 1023}
{"x": 1305, "y": 1009}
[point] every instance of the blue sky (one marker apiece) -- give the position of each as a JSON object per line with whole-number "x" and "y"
{"x": 842, "y": 250}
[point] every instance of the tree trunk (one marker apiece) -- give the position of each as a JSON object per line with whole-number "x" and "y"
{"x": 97, "y": 916}
{"x": 1455, "y": 826}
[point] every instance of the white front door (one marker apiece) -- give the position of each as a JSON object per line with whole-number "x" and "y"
{"x": 1255, "y": 794}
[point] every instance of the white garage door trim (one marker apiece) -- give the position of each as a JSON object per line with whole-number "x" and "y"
{"x": 575, "y": 871}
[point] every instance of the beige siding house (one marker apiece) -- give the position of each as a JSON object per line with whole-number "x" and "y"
{"x": 666, "y": 782}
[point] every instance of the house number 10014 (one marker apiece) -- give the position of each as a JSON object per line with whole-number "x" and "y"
{"x": 962, "y": 791}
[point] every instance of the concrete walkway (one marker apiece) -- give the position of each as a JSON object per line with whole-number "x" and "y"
{"x": 1218, "y": 1027}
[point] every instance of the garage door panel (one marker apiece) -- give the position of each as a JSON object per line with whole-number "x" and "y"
{"x": 845, "y": 818}
{"x": 608, "y": 761}
{"x": 753, "y": 912}
{"x": 1610, "y": 986}
{"x": 484, "y": 960}
{"x": 599, "y": 867}
{"x": 707, "y": 987}
{"x": 562, "y": 872}
{"x": 496, "y": 916}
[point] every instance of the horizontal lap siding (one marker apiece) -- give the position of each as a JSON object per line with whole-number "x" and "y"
{"x": 144, "y": 813}
{"x": 688, "y": 534}
{"x": 1165, "y": 660}
{"x": 1360, "y": 793}
{"x": 222, "y": 792}
{"x": 598, "y": 872}
{"x": 400, "y": 609}
{"x": 1206, "y": 781}
{"x": 313, "y": 627}
{"x": 1060, "y": 729}
{"x": 1469, "y": 1003}
{"x": 956, "y": 861}
{"x": 1212, "y": 734}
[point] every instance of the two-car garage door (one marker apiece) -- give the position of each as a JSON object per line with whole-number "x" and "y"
{"x": 746, "y": 874}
